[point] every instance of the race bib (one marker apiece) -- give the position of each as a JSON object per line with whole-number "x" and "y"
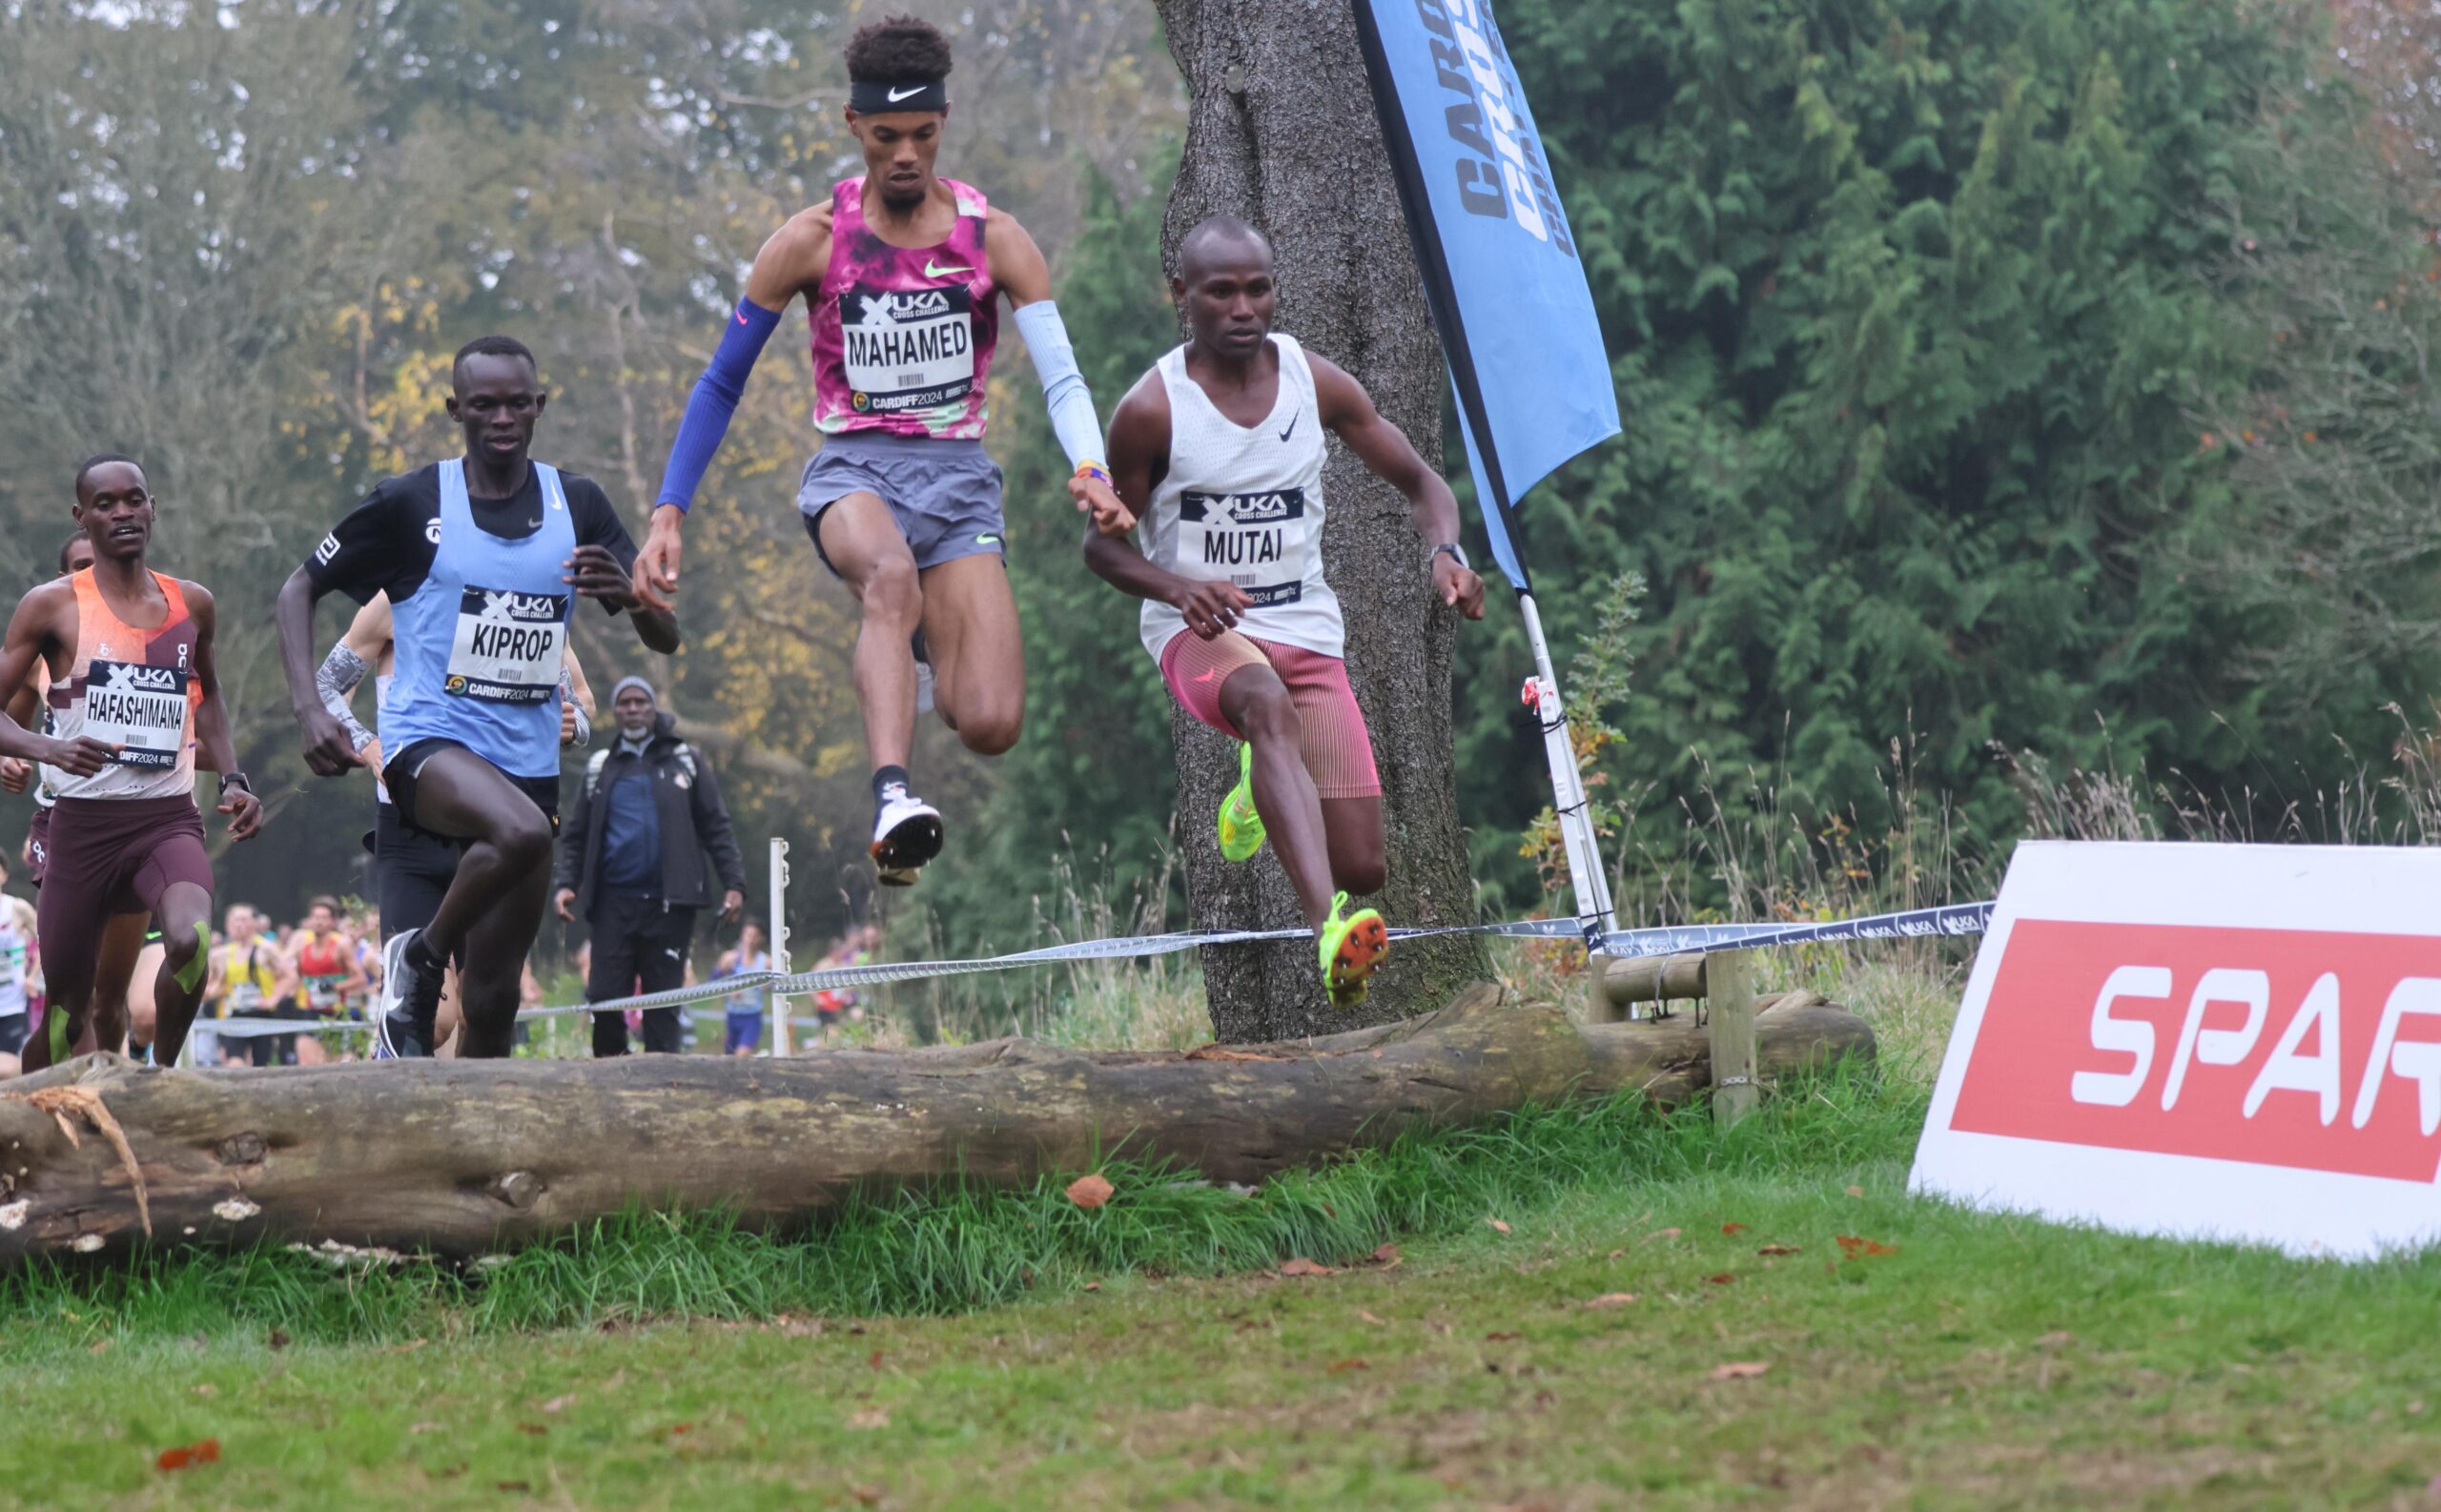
{"x": 140, "y": 708}
{"x": 323, "y": 992}
{"x": 244, "y": 997}
{"x": 907, "y": 350}
{"x": 1260, "y": 542}
{"x": 508, "y": 645}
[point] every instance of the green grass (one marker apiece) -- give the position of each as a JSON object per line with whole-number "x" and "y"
{"x": 944, "y": 1352}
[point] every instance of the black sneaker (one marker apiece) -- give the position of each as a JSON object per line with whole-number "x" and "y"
{"x": 409, "y": 998}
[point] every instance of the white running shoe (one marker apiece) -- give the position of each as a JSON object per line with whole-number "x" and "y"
{"x": 907, "y": 833}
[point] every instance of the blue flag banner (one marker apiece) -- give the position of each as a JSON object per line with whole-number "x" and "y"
{"x": 1500, "y": 265}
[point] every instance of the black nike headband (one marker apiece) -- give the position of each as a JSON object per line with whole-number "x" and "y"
{"x": 867, "y": 98}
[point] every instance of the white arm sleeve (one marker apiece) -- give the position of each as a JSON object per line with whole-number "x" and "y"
{"x": 1063, "y": 388}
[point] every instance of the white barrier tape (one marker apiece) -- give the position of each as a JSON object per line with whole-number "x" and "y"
{"x": 1954, "y": 919}
{"x": 1957, "y": 918}
{"x": 258, "y": 1028}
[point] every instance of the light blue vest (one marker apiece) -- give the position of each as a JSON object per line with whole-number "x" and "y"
{"x": 477, "y": 647}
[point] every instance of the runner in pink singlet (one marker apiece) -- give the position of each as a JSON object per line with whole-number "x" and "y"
{"x": 902, "y": 272}
{"x": 903, "y": 337}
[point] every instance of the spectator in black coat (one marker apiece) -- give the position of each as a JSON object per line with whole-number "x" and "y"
{"x": 631, "y": 863}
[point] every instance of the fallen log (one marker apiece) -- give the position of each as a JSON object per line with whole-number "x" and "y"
{"x": 462, "y": 1156}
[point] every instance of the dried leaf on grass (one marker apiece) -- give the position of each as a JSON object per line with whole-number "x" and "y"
{"x": 1302, "y": 1266}
{"x": 1341, "y": 1367}
{"x": 86, "y": 1104}
{"x": 1722, "y": 1279}
{"x": 1732, "y": 1227}
{"x": 1664, "y": 1233}
{"x": 1613, "y": 1299}
{"x": 1386, "y": 1255}
{"x": 869, "y": 1418}
{"x": 1090, "y": 1191}
{"x": 559, "y": 1403}
{"x": 1739, "y": 1370}
{"x": 1856, "y": 1247}
{"x": 186, "y": 1455}
{"x": 1780, "y": 1249}
{"x": 1498, "y": 1227}
{"x": 1370, "y": 1319}
{"x": 1855, "y": 1192}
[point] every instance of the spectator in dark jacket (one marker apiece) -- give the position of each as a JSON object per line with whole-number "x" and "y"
{"x": 632, "y": 862}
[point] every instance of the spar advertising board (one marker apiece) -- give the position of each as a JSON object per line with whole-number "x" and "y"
{"x": 2218, "y": 1041}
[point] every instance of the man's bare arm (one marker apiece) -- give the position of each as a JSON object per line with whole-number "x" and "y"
{"x": 791, "y": 262}
{"x": 1140, "y": 449}
{"x": 214, "y": 750}
{"x": 1018, "y": 267}
{"x": 1384, "y": 450}
{"x": 34, "y": 631}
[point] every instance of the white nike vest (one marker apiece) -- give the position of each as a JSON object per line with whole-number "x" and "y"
{"x": 1244, "y": 505}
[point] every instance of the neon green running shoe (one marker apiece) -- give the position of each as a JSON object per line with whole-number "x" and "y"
{"x": 1241, "y": 825}
{"x": 1352, "y": 947}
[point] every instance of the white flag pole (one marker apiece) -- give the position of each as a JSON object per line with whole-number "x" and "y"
{"x": 1592, "y": 890}
{"x": 779, "y": 946}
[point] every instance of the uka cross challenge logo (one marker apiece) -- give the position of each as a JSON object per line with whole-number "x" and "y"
{"x": 1259, "y": 541}
{"x": 907, "y": 349}
{"x": 139, "y": 708}
{"x": 507, "y": 646}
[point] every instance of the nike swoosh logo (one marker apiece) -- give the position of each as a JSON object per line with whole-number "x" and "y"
{"x": 931, "y": 271}
{"x": 1292, "y": 425}
{"x": 987, "y": 540}
{"x": 896, "y": 95}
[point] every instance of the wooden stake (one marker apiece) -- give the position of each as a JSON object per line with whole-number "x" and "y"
{"x": 1599, "y": 1005}
{"x": 1730, "y": 975}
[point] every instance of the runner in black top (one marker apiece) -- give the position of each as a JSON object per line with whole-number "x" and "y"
{"x": 474, "y": 720}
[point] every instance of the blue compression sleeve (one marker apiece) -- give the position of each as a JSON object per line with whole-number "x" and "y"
{"x": 714, "y": 400}
{"x": 1063, "y": 388}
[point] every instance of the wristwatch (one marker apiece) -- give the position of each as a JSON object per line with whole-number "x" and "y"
{"x": 1449, "y": 548}
{"x": 229, "y": 779}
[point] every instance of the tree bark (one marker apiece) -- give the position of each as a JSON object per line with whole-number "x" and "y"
{"x": 463, "y": 1157}
{"x": 1280, "y": 131}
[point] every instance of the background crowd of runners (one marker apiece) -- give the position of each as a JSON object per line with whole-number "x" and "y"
{"x": 324, "y": 971}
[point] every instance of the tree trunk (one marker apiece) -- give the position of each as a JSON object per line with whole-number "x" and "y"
{"x": 1280, "y": 131}
{"x": 463, "y": 1157}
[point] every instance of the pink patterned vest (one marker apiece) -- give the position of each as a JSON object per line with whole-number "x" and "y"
{"x": 903, "y": 338}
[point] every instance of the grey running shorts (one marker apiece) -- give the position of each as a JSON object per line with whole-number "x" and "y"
{"x": 945, "y": 495}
